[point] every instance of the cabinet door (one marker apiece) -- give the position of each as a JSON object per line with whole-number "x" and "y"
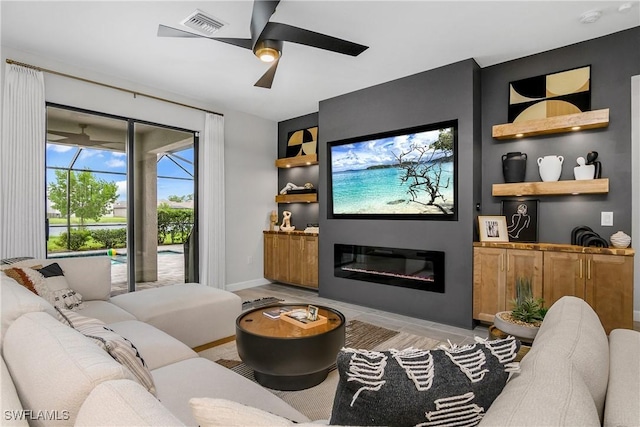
{"x": 609, "y": 289}
{"x": 269, "y": 256}
{"x": 281, "y": 262}
{"x": 563, "y": 275}
{"x": 296, "y": 258}
{"x": 488, "y": 282}
{"x": 310, "y": 262}
{"x": 525, "y": 264}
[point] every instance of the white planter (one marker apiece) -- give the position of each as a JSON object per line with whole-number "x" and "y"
{"x": 518, "y": 331}
{"x": 550, "y": 167}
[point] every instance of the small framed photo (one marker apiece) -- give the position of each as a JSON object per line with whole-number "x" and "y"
{"x": 492, "y": 229}
{"x": 522, "y": 220}
{"x": 312, "y": 313}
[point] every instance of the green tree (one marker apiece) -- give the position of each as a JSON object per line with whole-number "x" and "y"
{"x": 180, "y": 199}
{"x": 423, "y": 168}
{"x": 90, "y": 197}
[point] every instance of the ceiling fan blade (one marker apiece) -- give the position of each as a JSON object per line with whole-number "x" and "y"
{"x": 267, "y": 78}
{"x": 245, "y": 43}
{"x": 262, "y": 11}
{"x": 289, "y": 33}
{"x": 164, "y": 31}
{"x": 63, "y": 134}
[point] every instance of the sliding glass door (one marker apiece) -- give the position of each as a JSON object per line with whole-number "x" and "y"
{"x": 124, "y": 189}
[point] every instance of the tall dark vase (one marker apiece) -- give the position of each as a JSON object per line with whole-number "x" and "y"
{"x": 514, "y": 166}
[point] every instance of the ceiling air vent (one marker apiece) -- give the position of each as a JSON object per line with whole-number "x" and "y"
{"x": 200, "y": 21}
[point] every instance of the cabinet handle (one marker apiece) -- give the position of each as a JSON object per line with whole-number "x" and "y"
{"x": 508, "y": 264}
{"x": 581, "y": 269}
{"x": 501, "y": 262}
{"x": 589, "y": 269}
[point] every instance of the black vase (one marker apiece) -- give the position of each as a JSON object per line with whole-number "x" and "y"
{"x": 514, "y": 166}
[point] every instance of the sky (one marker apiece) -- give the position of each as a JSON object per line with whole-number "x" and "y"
{"x": 115, "y": 164}
{"x": 361, "y": 155}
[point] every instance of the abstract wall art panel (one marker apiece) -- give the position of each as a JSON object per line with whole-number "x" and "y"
{"x": 302, "y": 142}
{"x": 557, "y": 94}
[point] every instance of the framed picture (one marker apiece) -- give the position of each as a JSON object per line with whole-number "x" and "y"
{"x": 522, "y": 220}
{"x": 492, "y": 229}
{"x": 312, "y": 313}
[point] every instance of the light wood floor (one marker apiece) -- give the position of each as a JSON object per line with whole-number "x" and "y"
{"x": 397, "y": 322}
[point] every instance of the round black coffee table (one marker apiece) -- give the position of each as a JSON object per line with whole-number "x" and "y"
{"x": 285, "y": 356}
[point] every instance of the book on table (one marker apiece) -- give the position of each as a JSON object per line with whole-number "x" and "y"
{"x": 275, "y": 313}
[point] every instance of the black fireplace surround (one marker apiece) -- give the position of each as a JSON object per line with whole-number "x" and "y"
{"x": 407, "y": 268}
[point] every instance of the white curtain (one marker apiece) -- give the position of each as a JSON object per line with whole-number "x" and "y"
{"x": 211, "y": 203}
{"x": 22, "y": 154}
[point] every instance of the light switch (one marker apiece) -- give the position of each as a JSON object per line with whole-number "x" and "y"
{"x": 606, "y": 219}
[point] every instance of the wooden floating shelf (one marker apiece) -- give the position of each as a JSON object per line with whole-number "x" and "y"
{"x": 294, "y": 162}
{"x": 552, "y": 188}
{"x": 558, "y": 124}
{"x": 297, "y": 198}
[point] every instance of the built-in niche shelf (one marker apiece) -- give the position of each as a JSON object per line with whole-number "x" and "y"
{"x": 297, "y": 198}
{"x": 552, "y": 188}
{"x": 558, "y": 124}
{"x": 298, "y": 161}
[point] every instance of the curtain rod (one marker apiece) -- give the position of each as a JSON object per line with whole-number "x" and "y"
{"x": 44, "y": 70}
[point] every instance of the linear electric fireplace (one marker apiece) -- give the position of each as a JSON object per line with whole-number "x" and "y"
{"x": 407, "y": 268}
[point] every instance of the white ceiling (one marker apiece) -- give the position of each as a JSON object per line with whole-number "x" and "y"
{"x": 118, "y": 38}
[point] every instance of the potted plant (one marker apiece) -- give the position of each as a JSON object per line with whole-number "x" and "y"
{"x": 525, "y": 318}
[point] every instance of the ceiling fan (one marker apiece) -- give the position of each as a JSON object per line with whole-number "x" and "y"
{"x": 82, "y": 139}
{"x": 267, "y": 39}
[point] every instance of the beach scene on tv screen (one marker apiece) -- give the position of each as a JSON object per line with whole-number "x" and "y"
{"x": 406, "y": 174}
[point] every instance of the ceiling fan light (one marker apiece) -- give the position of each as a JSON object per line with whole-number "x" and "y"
{"x": 268, "y": 50}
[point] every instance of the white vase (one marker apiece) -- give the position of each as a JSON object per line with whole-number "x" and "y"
{"x": 550, "y": 167}
{"x": 620, "y": 240}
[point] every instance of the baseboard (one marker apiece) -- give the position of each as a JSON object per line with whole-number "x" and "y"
{"x": 636, "y": 316}
{"x": 246, "y": 285}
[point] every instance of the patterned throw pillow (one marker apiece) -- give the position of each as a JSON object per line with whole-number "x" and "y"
{"x": 49, "y": 283}
{"x": 445, "y": 387}
{"x": 120, "y": 348}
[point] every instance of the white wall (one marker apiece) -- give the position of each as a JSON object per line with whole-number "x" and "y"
{"x": 250, "y": 149}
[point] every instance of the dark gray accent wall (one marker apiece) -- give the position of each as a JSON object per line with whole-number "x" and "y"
{"x": 613, "y": 59}
{"x": 301, "y": 213}
{"x": 447, "y": 93}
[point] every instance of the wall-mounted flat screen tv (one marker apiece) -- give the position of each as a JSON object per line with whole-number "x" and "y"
{"x": 402, "y": 174}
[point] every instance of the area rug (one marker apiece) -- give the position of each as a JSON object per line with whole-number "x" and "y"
{"x": 260, "y": 302}
{"x": 316, "y": 402}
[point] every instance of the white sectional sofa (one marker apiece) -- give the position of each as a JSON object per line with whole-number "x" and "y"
{"x": 54, "y": 375}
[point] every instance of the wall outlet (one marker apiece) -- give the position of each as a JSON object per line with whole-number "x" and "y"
{"x": 606, "y": 219}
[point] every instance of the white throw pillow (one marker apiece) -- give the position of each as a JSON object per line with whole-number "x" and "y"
{"x": 116, "y": 345}
{"x": 210, "y": 412}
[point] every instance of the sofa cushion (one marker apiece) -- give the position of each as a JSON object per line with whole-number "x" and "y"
{"x": 156, "y": 347}
{"x": 422, "y": 386}
{"x": 123, "y": 403}
{"x": 9, "y": 400}
{"x": 622, "y": 407}
{"x": 73, "y": 367}
{"x": 105, "y": 311}
{"x": 16, "y": 300}
{"x": 213, "y": 310}
{"x": 548, "y": 391}
{"x": 572, "y": 330}
{"x": 119, "y": 347}
{"x": 199, "y": 377}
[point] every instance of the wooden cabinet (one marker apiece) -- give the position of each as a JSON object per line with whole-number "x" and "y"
{"x": 604, "y": 281}
{"x": 603, "y": 277}
{"x": 291, "y": 258}
{"x": 495, "y": 272}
